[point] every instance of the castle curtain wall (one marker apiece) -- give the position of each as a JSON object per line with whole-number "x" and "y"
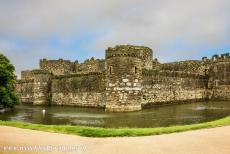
{"x": 165, "y": 87}
{"x": 25, "y": 90}
{"x": 219, "y": 78}
{"x": 86, "y": 90}
{"x": 34, "y": 87}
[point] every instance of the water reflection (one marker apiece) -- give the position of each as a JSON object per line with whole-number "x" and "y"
{"x": 154, "y": 117}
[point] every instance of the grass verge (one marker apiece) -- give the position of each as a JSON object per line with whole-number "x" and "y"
{"x": 115, "y": 132}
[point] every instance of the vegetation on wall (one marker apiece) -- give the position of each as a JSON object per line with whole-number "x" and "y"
{"x": 8, "y": 97}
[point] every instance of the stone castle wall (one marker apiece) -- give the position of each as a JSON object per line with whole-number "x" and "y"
{"x": 57, "y": 67}
{"x": 79, "y": 90}
{"x": 90, "y": 65}
{"x": 33, "y": 74}
{"x": 124, "y": 65}
{"x": 123, "y": 84}
{"x": 127, "y": 80}
{"x": 192, "y": 66}
{"x": 145, "y": 54}
{"x": 34, "y": 87}
{"x": 65, "y": 67}
{"x": 25, "y": 90}
{"x": 165, "y": 87}
{"x": 218, "y": 69}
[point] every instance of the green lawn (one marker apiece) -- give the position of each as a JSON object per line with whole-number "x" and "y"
{"x": 115, "y": 132}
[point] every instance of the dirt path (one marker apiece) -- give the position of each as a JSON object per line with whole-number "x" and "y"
{"x": 210, "y": 141}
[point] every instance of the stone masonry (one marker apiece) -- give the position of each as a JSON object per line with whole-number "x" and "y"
{"x": 128, "y": 79}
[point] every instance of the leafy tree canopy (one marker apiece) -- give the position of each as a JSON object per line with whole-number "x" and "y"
{"x": 8, "y": 97}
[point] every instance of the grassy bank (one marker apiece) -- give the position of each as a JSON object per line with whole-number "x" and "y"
{"x": 113, "y": 132}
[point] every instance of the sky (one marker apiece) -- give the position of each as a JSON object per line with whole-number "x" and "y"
{"x": 79, "y": 29}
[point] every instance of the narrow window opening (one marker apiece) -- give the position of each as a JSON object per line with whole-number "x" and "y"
{"x": 205, "y": 71}
{"x": 135, "y": 68}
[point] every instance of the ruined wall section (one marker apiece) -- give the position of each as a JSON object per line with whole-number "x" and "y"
{"x": 65, "y": 67}
{"x": 42, "y": 85}
{"x": 32, "y": 74}
{"x": 86, "y": 90}
{"x": 166, "y": 87}
{"x": 25, "y": 90}
{"x": 192, "y": 66}
{"x": 219, "y": 76}
{"x": 57, "y": 67}
{"x": 34, "y": 87}
{"x": 90, "y": 65}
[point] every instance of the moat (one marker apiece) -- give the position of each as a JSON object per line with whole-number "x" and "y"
{"x": 154, "y": 117}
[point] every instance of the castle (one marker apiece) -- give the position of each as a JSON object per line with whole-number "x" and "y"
{"x": 128, "y": 79}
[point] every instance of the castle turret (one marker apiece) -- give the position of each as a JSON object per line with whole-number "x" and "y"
{"x": 124, "y": 66}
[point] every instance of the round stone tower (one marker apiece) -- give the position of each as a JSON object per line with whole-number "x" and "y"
{"x": 124, "y": 66}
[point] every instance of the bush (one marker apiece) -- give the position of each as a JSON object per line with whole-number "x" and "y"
{"x": 8, "y": 97}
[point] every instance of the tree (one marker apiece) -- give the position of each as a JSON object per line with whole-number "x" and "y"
{"x": 8, "y": 97}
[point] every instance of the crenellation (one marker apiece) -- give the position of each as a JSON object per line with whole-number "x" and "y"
{"x": 57, "y": 67}
{"x": 90, "y": 65}
{"x": 225, "y": 57}
{"x": 184, "y": 66}
{"x": 31, "y": 74}
{"x": 204, "y": 59}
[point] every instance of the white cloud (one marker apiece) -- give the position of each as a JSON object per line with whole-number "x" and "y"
{"x": 154, "y": 23}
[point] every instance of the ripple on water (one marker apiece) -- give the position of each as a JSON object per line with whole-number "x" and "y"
{"x": 87, "y": 122}
{"x": 208, "y": 108}
{"x": 179, "y": 118}
{"x": 19, "y": 117}
{"x": 79, "y": 115}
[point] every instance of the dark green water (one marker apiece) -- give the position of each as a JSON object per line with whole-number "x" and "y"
{"x": 154, "y": 117}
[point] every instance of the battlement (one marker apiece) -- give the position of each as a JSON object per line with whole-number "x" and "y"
{"x": 56, "y": 61}
{"x": 90, "y": 65}
{"x": 217, "y": 58}
{"x": 129, "y": 51}
{"x": 31, "y": 74}
{"x": 57, "y": 67}
{"x": 185, "y": 66}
